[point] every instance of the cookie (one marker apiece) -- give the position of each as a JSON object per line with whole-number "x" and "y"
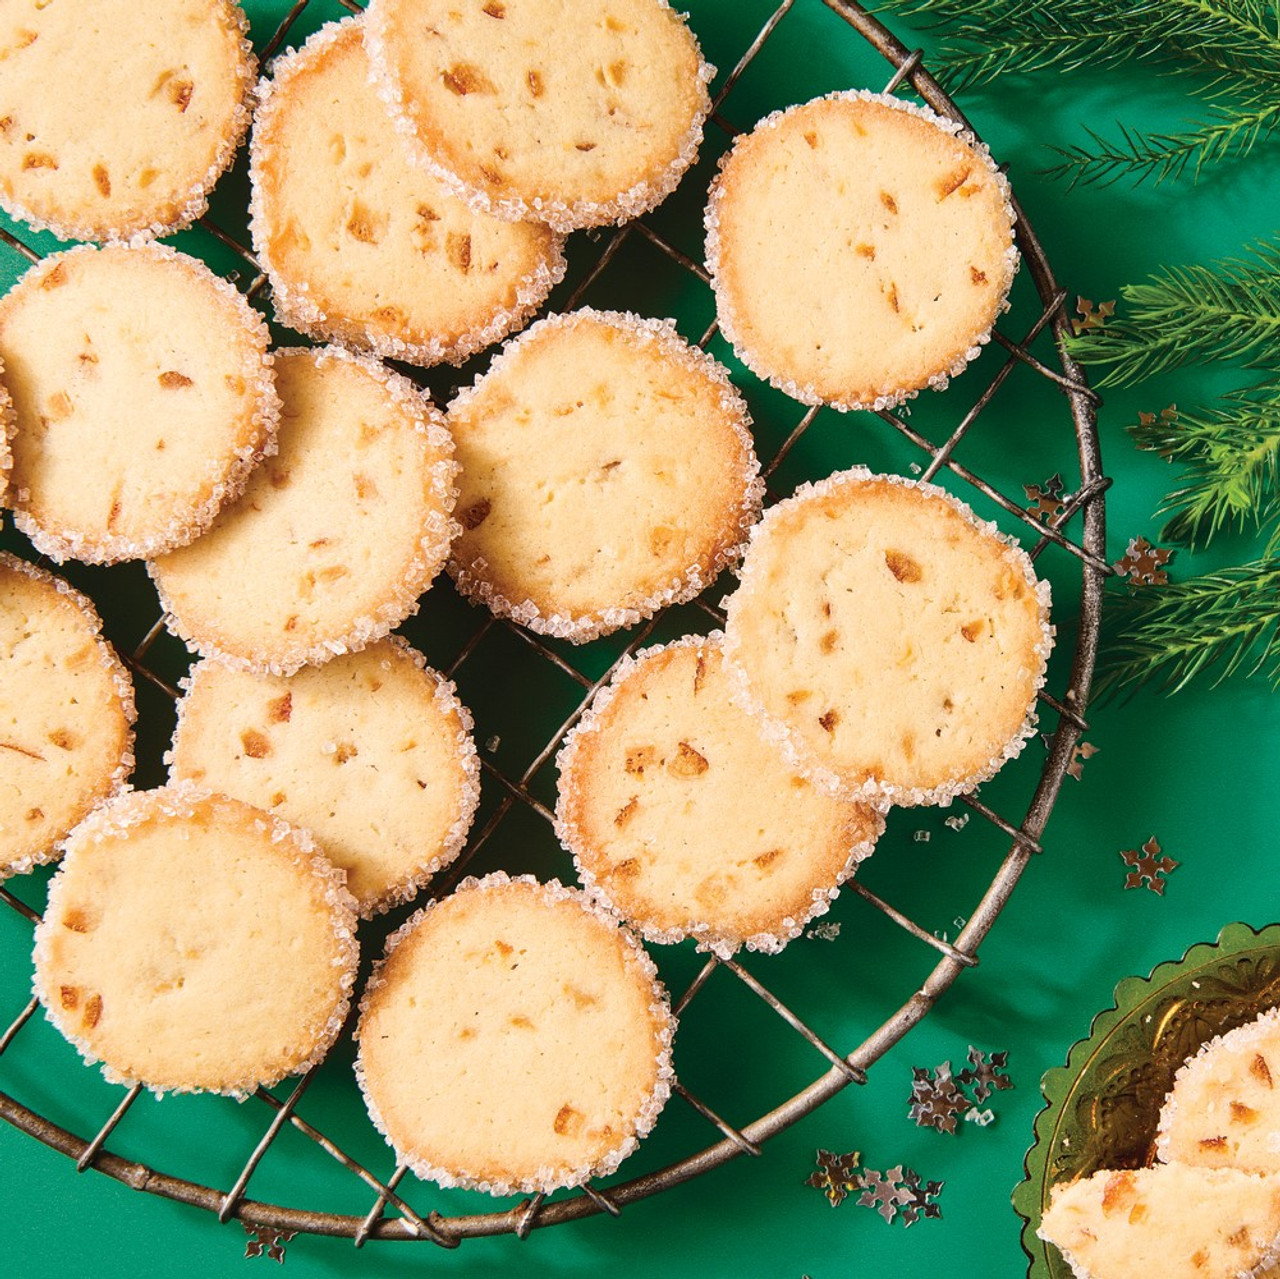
{"x": 371, "y": 752}
{"x": 570, "y": 113}
{"x": 1224, "y": 1108}
{"x": 193, "y": 942}
{"x": 860, "y": 249}
{"x": 361, "y": 246}
{"x": 892, "y": 643}
{"x": 66, "y": 714}
{"x": 607, "y": 471}
{"x": 1170, "y": 1220}
{"x": 335, "y": 538}
{"x": 117, "y": 117}
{"x": 144, "y": 395}
{"x": 514, "y": 1039}
{"x": 684, "y": 820}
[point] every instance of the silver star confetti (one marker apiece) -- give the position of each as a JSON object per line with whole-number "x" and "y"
{"x": 1143, "y": 564}
{"x": 899, "y": 1192}
{"x": 935, "y": 1099}
{"x": 983, "y": 1073}
{"x": 265, "y": 1242}
{"x": 1147, "y": 867}
{"x": 836, "y": 1176}
{"x": 883, "y": 1193}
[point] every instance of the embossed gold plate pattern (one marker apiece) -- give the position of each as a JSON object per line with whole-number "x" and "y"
{"x": 1103, "y": 1105}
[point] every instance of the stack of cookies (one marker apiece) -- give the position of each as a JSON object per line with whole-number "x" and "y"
{"x": 1209, "y": 1206}
{"x": 414, "y": 174}
{"x": 884, "y": 647}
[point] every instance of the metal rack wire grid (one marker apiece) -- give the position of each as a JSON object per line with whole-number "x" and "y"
{"x": 841, "y": 1066}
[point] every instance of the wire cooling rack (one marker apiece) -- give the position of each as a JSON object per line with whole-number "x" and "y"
{"x": 389, "y": 1215}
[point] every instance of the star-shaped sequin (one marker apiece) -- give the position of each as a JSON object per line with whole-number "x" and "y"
{"x": 983, "y": 1073}
{"x": 1143, "y": 564}
{"x": 837, "y": 1175}
{"x": 265, "y": 1242}
{"x": 936, "y": 1100}
{"x": 1147, "y": 867}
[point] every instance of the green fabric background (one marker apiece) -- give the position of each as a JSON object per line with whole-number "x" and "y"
{"x": 1195, "y": 771}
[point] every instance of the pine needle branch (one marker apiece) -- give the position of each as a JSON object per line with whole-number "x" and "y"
{"x": 1232, "y": 132}
{"x": 1226, "y": 310}
{"x": 1227, "y": 622}
{"x": 1232, "y": 456}
{"x": 984, "y": 39}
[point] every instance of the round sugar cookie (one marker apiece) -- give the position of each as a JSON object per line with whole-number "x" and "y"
{"x": 144, "y": 395}
{"x": 118, "y": 116}
{"x": 1170, "y": 1220}
{"x": 335, "y": 537}
{"x": 194, "y": 942}
{"x": 514, "y": 1039}
{"x": 860, "y": 248}
{"x": 607, "y": 470}
{"x": 891, "y": 642}
{"x": 570, "y": 112}
{"x": 371, "y": 752}
{"x": 1224, "y": 1108}
{"x": 361, "y": 246}
{"x": 684, "y": 820}
{"x": 66, "y": 714}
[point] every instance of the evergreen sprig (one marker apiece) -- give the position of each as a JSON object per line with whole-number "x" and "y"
{"x": 1232, "y": 132}
{"x": 1225, "y": 310}
{"x": 1232, "y": 45}
{"x": 1224, "y": 622}
{"x": 1232, "y": 459}
{"x": 984, "y": 39}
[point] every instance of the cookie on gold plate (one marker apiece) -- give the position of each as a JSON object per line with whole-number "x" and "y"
{"x": 1171, "y": 1220}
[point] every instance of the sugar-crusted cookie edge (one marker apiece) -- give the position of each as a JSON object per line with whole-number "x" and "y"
{"x": 706, "y": 937}
{"x": 1270, "y": 1255}
{"x": 117, "y": 673}
{"x": 662, "y": 1023}
{"x": 195, "y": 204}
{"x": 1265, "y": 1025}
{"x": 215, "y": 491}
{"x": 790, "y": 741}
{"x": 563, "y": 216}
{"x": 8, "y": 429}
{"x": 581, "y": 628}
{"x": 294, "y": 305}
{"x": 432, "y": 547}
{"x": 806, "y": 393}
{"x": 180, "y": 800}
{"x": 453, "y": 712}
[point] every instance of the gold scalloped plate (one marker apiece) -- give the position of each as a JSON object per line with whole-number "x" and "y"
{"x": 1103, "y": 1105}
